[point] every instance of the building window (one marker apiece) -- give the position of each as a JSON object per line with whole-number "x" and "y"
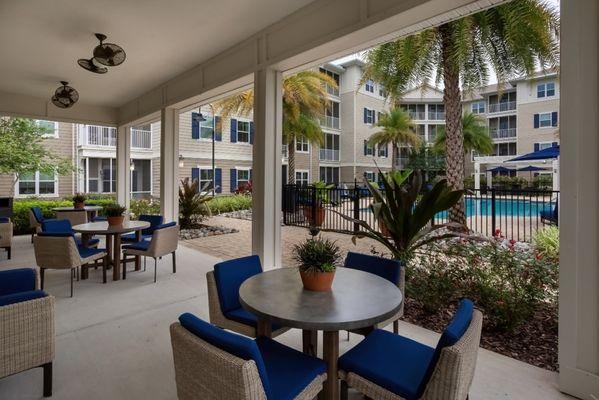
{"x": 331, "y": 89}
{"x": 369, "y": 176}
{"x": 50, "y": 128}
{"x": 478, "y": 107}
{"x": 544, "y": 120}
{"x": 546, "y": 90}
{"x": 141, "y": 178}
{"x": 243, "y": 177}
{"x": 329, "y": 175}
{"x": 302, "y": 145}
{"x": 505, "y": 149}
{"x": 37, "y": 184}
{"x": 383, "y": 150}
{"x": 368, "y": 148}
{"x": 370, "y": 86}
{"x": 432, "y": 132}
{"x": 243, "y": 131}
{"x": 207, "y": 127}
{"x": 382, "y": 91}
{"x": 416, "y": 111}
{"x": 302, "y": 178}
{"x": 330, "y": 118}
{"x": 436, "y": 112}
{"x": 205, "y": 179}
{"x": 330, "y": 149}
{"x": 369, "y": 116}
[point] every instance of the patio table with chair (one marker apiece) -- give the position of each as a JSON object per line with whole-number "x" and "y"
{"x": 91, "y": 211}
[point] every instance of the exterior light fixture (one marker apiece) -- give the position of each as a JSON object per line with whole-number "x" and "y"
{"x": 131, "y": 166}
{"x": 65, "y": 96}
{"x": 199, "y": 117}
{"x": 181, "y": 164}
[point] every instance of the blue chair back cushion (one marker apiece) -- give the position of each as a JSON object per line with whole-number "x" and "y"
{"x": 37, "y": 213}
{"x": 57, "y": 226}
{"x": 383, "y": 267}
{"x": 229, "y": 276}
{"x": 154, "y": 221}
{"x": 451, "y": 335}
{"x": 237, "y": 345}
{"x": 167, "y": 225}
{"x": 21, "y": 297}
{"x": 4, "y": 220}
{"x": 17, "y": 280}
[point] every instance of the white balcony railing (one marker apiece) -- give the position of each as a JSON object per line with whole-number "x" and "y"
{"x": 417, "y": 115}
{"x": 334, "y": 91}
{"x": 503, "y": 133}
{"x": 329, "y": 121}
{"x": 502, "y": 106}
{"x": 284, "y": 152}
{"x": 329, "y": 155}
{"x": 402, "y": 162}
{"x": 436, "y": 116}
{"x": 141, "y": 139}
{"x": 100, "y": 136}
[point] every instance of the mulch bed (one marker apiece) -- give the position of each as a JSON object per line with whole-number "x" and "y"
{"x": 535, "y": 342}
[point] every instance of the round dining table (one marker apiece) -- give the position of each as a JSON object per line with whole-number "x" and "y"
{"x": 92, "y": 211}
{"x": 113, "y": 241}
{"x": 358, "y": 301}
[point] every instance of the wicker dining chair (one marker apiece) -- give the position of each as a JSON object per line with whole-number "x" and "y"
{"x": 74, "y": 217}
{"x": 385, "y": 366}
{"x": 6, "y": 228}
{"x": 60, "y": 251}
{"x": 26, "y": 325}
{"x": 212, "y": 363}
{"x": 35, "y": 221}
{"x": 225, "y": 311}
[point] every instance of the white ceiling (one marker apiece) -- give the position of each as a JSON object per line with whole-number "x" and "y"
{"x": 41, "y": 40}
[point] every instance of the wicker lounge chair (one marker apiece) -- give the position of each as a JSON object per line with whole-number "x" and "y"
{"x": 6, "y": 227}
{"x": 211, "y": 363}
{"x": 26, "y": 325}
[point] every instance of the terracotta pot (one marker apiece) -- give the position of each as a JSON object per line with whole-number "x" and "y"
{"x": 79, "y": 206}
{"x": 317, "y": 282}
{"x": 320, "y": 214}
{"x": 116, "y": 220}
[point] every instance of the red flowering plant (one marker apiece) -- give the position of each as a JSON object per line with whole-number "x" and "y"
{"x": 244, "y": 189}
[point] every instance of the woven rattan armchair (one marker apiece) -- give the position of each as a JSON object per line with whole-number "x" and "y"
{"x": 6, "y": 227}
{"x": 74, "y": 217}
{"x": 26, "y": 327}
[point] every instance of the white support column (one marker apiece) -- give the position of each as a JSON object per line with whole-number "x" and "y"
{"x": 123, "y": 158}
{"x": 489, "y": 179}
{"x": 555, "y": 174}
{"x": 266, "y": 172}
{"x": 169, "y": 164}
{"x": 579, "y": 209}
{"x": 476, "y": 176}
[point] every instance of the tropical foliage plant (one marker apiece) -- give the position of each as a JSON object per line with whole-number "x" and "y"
{"x": 114, "y": 210}
{"x": 317, "y": 255}
{"x": 79, "y": 198}
{"x": 304, "y": 103}
{"x": 193, "y": 202}
{"x": 546, "y": 242}
{"x": 475, "y": 133}
{"x": 513, "y": 38}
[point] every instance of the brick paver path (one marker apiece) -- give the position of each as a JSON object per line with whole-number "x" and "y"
{"x": 239, "y": 244}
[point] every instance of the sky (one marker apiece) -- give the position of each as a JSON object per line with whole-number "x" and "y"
{"x": 492, "y": 77}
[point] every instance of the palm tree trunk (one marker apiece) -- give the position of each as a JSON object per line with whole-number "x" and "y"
{"x": 394, "y": 156}
{"x": 454, "y": 143}
{"x": 291, "y": 162}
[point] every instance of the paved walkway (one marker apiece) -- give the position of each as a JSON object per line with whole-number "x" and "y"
{"x": 239, "y": 244}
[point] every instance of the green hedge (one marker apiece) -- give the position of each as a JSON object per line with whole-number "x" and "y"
{"x": 223, "y": 204}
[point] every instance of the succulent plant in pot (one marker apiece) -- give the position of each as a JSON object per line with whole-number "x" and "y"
{"x": 114, "y": 214}
{"x": 314, "y": 211}
{"x": 79, "y": 201}
{"x": 317, "y": 260}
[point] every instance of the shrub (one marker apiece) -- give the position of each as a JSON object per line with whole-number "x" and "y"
{"x": 143, "y": 206}
{"x": 546, "y": 242}
{"x": 193, "y": 203}
{"x": 223, "y": 204}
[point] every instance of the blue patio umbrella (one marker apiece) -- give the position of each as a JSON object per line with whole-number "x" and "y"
{"x": 500, "y": 169}
{"x": 545, "y": 154}
{"x": 531, "y": 169}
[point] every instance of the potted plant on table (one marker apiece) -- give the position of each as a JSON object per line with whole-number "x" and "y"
{"x": 114, "y": 214}
{"x": 79, "y": 201}
{"x": 317, "y": 260}
{"x": 314, "y": 211}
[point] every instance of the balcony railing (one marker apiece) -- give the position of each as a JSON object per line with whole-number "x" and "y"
{"x": 141, "y": 139}
{"x": 503, "y": 133}
{"x": 284, "y": 152}
{"x": 332, "y": 90}
{"x": 100, "y": 136}
{"x": 436, "y": 116}
{"x": 329, "y": 121}
{"x": 329, "y": 155}
{"x": 502, "y": 106}
{"x": 402, "y": 162}
{"x": 417, "y": 115}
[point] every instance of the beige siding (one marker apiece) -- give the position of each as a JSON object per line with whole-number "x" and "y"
{"x": 527, "y": 134}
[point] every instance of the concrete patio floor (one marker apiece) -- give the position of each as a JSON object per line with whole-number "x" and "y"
{"x": 112, "y": 341}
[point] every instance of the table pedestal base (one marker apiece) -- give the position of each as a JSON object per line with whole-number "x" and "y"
{"x": 330, "y": 353}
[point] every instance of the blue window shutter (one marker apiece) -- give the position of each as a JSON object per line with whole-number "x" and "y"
{"x": 536, "y": 147}
{"x": 233, "y": 180}
{"x": 195, "y": 175}
{"x": 195, "y": 125}
{"x": 536, "y": 121}
{"x": 554, "y": 144}
{"x": 554, "y": 118}
{"x": 218, "y": 180}
{"x": 365, "y": 115}
{"x": 251, "y": 132}
{"x": 233, "y": 130}
{"x": 218, "y": 129}
{"x": 250, "y": 173}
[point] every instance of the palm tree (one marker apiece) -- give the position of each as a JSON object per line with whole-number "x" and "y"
{"x": 513, "y": 38}
{"x": 475, "y": 133}
{"x": 398, "y": 129}
{"x": 304, "y": 102}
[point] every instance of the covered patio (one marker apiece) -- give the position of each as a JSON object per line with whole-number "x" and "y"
{"x": 112, "y": 340}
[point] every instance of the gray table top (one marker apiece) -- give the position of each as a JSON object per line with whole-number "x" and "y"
{"x": 358, "y": 300}
{"x": 86, "y": 208}
{"x": 103, "y": 227}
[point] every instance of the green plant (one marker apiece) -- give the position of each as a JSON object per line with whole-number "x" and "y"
{"x": 114, "y": 210}
{"x": 79, "y": 198}
{"x": 405, "y": 214}
{"x": 322, "y": 192}
{"x": 475, "y": 132}
{"x": 143, "y": 206}
{"x": 223, "y": 204}
{"x": 193, "y": 203}
{"x": 546, "y": 242}
{"x": 543, "y": 182}
{"x": 316, "y": 255}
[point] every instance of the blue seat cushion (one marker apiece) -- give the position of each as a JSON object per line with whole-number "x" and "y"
{"x": 144, "y": 245}
{"x": 245, "y": 317}
{"x": 4, "y": 220}
{"x": 229, "y": 275}
{"x": 85, "y": 252}
{"x": 90, "y": 242}
{"x": 289, "y": 371}
{"x": 21, "y": 297}
{"x": 167, "y": 225}
{"x": 17, "y": 280}
{"x": 237, "y": 345}
{"x": 383, "y": 267}
{"x": 393, "y": 362}
{"x": 130, "y": 237}
{"x": 57, "y": 226}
